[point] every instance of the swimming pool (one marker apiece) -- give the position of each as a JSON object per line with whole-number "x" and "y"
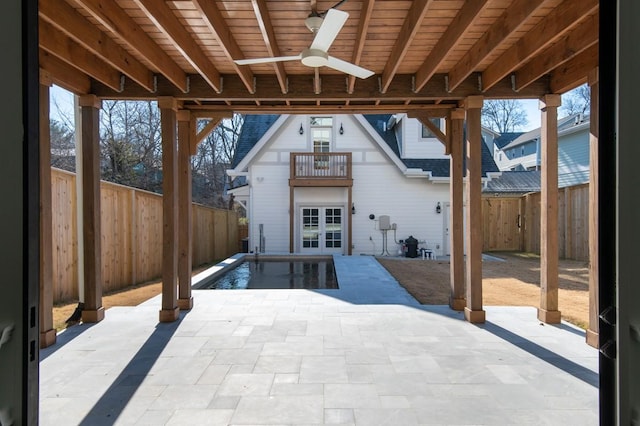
{"x": 315, "y": 273}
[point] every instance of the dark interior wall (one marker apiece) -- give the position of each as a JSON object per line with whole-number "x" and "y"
{"x": 19, "y": 213}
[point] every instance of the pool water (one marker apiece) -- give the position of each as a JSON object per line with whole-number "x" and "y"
{"x": 267, "y": 274}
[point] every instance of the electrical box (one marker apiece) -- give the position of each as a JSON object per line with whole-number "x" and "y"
{"x": 385, "y": 222}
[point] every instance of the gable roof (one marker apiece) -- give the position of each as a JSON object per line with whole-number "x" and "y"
{"x": 563, "y": 124}
{"x": 506, "y": 138}
{"x": 255, "y": 126}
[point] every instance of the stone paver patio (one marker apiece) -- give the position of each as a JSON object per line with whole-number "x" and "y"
{"x": 365, "y": 354}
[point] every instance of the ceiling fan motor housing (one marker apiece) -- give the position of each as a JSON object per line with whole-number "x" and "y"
{"x": 314, "y": 57}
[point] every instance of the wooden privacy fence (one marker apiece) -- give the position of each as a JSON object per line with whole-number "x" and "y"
{"x": 131, "y": 221}
{"x": 514, "y": 223}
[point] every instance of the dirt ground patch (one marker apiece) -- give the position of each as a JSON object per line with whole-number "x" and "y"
{"x": 511, "y": 280}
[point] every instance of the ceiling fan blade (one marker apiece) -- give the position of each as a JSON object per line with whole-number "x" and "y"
{"x": 348, "y": 67}
{"x": 267, "y": 60}
{"x": 333, "y": 22}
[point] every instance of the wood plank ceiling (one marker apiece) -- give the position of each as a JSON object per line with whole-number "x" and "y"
{"x": 426, "y": 54}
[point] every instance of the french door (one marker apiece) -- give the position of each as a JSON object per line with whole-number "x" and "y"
{"x": 322, "y": 230}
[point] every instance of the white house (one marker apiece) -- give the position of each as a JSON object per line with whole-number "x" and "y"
{"x": 350, "y": 184}
{"x": 523, "y": 152}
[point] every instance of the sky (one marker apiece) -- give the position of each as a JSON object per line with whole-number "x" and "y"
{"x": 65, "y": 102}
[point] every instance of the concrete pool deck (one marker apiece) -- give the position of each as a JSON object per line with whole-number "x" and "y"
{"x": 367, "y": 353}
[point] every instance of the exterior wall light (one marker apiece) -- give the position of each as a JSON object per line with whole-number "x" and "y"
{"x": 353, "y": 208}
{"x": 301, "y": 131}
{"x": 341, "y": 129}
{"x": 438, "y": 208}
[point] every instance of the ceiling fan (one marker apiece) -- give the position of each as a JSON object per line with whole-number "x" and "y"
{"x": 326, "y": 30}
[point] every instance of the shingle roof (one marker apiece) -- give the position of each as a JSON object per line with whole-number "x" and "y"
{"x": 255, "y": 126}
{"x": 514, "y": 182}
{"x": 506, "y": 138}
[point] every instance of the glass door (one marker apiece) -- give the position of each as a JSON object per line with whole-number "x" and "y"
{"x": 322, "y": 230}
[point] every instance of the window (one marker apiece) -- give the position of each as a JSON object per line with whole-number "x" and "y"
{"x": 321, "y": 131}
{"x": 426, "y": 133}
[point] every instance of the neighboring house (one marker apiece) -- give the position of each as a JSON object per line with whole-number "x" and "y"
{"x": 513, "y": 184}
{"x": 523, "y": 152}
{"x": 333, "y": 183}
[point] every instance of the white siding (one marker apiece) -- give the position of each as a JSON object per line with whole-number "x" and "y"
{"x": 379, "y": 188}
{"x": 415, "y": 146}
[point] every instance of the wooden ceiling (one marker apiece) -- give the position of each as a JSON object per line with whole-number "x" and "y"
{"x": 426, "y": 54}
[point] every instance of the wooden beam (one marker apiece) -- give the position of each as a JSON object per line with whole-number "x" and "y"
{"x": 454, "y": 32}
{"x": 64, "y": 75}
{"x": 577, "y": 41}
{"x": 269, "y": 36}
{"x": 548, "y": 311}
{"x": 550, "y": 29}
{"x": 409, "y": 29}
{"x": 47, "y": 332}
{"x": 93, "y": 310}
{"x": 361, "y": 37}
{"x": 219, "y": 28}
{"x": 333, "y": 90}
{"x": 455, "y": 125}
{"x": 65, "y": 18}
{"x": 206, "y": 130}
{"x": 574, "y": 72}
{"x": 66, "y": 49}
{"x": 425, "y": 118}
{"x": 163, "y": 17}
{"x": 592, "y": 336}
{"x": 473, "y": 311}
{"x": 185, "y": 230}
{"x": 116, "y": 20}
{"x": 170, "y": 310}
{"x": 510, "y": 21}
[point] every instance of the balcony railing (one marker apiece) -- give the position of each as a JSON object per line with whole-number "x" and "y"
{"x": 321, "y": 166}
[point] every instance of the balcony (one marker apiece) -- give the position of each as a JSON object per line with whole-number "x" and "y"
{"x": 320, "y": 169}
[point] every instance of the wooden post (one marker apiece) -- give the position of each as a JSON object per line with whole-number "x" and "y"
{"x": 455, "y": 123}
{"x": 170, "y": 311}
{"x": 91, "y": 230}
{"x": 185, "y": 231}
{"x": 548, "y": 311}
{"x": 47, "y": 332}
{"x": 594, "y": 270}
{"x": 473, "y": 311}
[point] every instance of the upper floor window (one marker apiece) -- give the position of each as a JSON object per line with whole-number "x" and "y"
{"x": 426, "y": 132}
{"x": 321, "y": 131}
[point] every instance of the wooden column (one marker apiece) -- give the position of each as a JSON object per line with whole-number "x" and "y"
{"x": 548, "y": 311}
{"x": 594, "y": 270}
{"x": 455, "y": 123}
{"x": 473, "y": 311}
{"x": 185, "y": 231}
{"x": 47, "y": 332}
{"x": 169, "y": 312}
{"x": 92, "y": 235}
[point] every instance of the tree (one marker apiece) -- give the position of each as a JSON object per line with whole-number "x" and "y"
{"x": 577, "y": 101}
{"x": 213, "y": 158}
{"x": 504, "y": 115}
{"x": 63, "y": 147}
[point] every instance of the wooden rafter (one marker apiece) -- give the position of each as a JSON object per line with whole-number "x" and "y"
{"x": 167, "y": 22}
{"x": 363, "y": 29}
{"x": 408, "y": 32}
{"x": 555, "y": 25}
{"x": 269, "y": 36}
{"x": 511, "y": 20}
{"x": 448, "y": 41}
{"x": 77, "y": 56}
{"x": 581, "y": 38}
{"x": 219, "y": 28}
{"x": 77, "y": 27}
{"x": 64, "y": 75}
{"x": 116, "y": 20}
{"x": 573, "y": 73}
